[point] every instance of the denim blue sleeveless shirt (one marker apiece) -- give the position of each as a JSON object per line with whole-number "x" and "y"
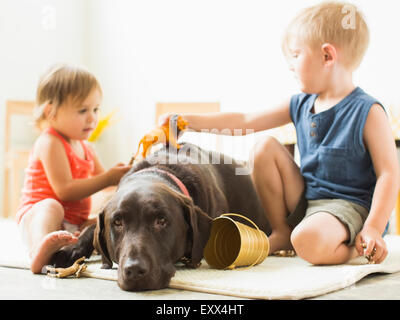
{"x": 335, "y": 163}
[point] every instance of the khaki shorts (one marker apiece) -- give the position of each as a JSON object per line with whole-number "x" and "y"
{"x": 352, "y": 215}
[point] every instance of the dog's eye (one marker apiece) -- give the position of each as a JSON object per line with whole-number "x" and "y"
{"x": 117, "y": 222}
{"x": 161, "y": 222}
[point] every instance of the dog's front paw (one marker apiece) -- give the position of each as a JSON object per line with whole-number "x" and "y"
{"x": 66, "y": 256}
{"x": 106, "y": 266}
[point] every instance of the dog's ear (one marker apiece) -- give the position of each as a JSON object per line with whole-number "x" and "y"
{"x": 199, "y": 232}
{"x": 99, "y": 242}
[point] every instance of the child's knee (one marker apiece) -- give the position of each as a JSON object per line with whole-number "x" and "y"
{"x": 310, "y": 245}
{"x": 265, "y": 149}
{"x": 52, "y": 207}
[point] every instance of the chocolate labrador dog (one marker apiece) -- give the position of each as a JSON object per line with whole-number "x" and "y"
{"x": 161, "y": 214}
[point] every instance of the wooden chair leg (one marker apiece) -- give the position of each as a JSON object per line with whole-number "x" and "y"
{"x": 15, "y": 187}
{"x": 6, "y": 194}
{"x": 398, "y": 214}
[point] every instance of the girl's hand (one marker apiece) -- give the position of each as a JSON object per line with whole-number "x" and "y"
{"x": 375, "y": 246}
{"x": 116, "y": 173}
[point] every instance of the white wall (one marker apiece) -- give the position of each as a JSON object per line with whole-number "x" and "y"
{"x": 179, "y": 50}
{"x": 34, "y": 35}
{"x": 211, "y": 50}
{"x": 379, "y": 72}
{"x": 176, "y": 50}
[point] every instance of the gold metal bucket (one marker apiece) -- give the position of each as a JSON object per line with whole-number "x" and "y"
{"x": 233, "y": 244}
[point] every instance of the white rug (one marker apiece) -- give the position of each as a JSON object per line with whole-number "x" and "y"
{"x": 275, "y": 278}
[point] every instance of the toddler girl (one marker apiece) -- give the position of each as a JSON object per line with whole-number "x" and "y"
{"x": 63, "y": 169}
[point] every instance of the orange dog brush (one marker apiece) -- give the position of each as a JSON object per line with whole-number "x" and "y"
{"x": 161, "y": 134}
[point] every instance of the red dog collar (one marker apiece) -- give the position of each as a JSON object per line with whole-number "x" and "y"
{"x": 173, "y": 177}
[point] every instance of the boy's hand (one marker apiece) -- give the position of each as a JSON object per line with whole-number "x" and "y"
{"x": 370, "y": 240}
{"x": 175, "y": 122}
{"x": 163, "y": 120}
{"x": 116, "y": 173}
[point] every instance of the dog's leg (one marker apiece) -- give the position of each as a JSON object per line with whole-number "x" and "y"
{"x": 67, "y": 255}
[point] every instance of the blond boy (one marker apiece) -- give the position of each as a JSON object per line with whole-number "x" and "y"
{"x": 342, "y": 195}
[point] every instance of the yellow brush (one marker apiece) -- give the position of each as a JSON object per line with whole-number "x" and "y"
{"x": 103, "y": 123}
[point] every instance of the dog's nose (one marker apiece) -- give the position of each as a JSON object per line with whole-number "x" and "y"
{"x": 135, "y": 269}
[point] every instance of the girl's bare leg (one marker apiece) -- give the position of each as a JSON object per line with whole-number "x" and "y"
{"x": 41, "y": 231}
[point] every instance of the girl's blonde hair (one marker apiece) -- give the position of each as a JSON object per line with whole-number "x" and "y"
{"x": 59, "y": 83}
{"x": 338, "y": 23}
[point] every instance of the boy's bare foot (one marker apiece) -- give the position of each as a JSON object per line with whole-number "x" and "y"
{"x": 280, "y": 240}
{"x": 50, "y": 244}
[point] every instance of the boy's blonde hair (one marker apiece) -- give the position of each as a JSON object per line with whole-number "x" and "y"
{"x": 338, "y": 23}
{"x": 59, "y": 83}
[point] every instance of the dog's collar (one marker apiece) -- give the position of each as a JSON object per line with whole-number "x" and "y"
{"x": 177, "y": 181}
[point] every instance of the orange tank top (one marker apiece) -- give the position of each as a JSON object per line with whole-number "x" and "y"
{"x": 37, "y": 186}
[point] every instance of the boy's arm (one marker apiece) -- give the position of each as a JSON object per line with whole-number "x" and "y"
{"x": 272, "y": 118}
{"x": 257, "y": 121}
{"x": 380, "y": 144}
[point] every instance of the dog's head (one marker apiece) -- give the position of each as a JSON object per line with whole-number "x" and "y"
{"x": 146, "y": 228}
